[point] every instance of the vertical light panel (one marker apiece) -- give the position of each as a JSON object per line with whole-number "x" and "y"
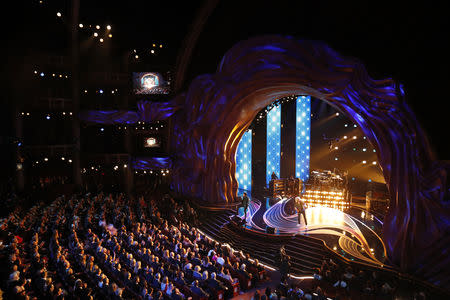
{"x": 273, "y": 142}
{"x": 244, "y": 162}
{"x": 302, "y": 137}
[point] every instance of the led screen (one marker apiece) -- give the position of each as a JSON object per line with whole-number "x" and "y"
{"x": 151, "y": 142}
{"x": 145, "y": 83}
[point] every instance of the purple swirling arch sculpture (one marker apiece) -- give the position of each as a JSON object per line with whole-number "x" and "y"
{"x": 218, "y": 108}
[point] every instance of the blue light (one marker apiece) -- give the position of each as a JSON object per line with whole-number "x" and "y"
{"x": 102, "y": 129}
{"x": 19, "y": 144}
{"x": 48, "y": 117}
{"x": 273, "y": 142}
{"x": 302, "y": 137}
{"x": 42, "y": 74}
{"x": 101, "y": 91}
{"x": 244, "y": 162}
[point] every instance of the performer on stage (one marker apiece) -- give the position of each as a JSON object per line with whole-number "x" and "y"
{"x": 274, "y": 176}
{"x": 300, "y": 208}
{"x": 245, "y": 202}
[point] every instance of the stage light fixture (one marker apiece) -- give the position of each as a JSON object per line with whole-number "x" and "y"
{"x": 42, "y": 74}
{"x": 364, "y": 162}
{"x": 97, "y": 26}
{"x": 152, "y": 51}
{"x": 62, "y": 158}
{"x": 345, "y": 136}
{"x": 303, "y": 132}
{"x": 48, "y": 117}
{"x": 364, "y": 149}
{"x": 336, "y": 148}
{"x": 354, "y": 137}
{"x": 70, "y": 161}
{"x": 110, "y": 35}
{"x": 160, "y": 46}
{"x": 337, "y": 114}
{"x": 101, "y": 40}
{"x": 244, "y": 161}
{"x": 59, "y": 14}
{"x": 95, "y": 34}
{"x": 273, "y": 143}
{"x": 374, "y": 163}
{"x": 108, "y": 27}
{"x": 137, "y": 56}
{"x": 45, "y": 159}
{"x": 80, "y": 25}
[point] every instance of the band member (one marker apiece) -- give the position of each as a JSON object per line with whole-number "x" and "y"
{"x": 245, "y": 202}
{"x": 300, "y": 208}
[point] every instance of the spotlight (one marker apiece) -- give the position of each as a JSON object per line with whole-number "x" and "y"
{"x": 374, "y": 163}
{"x": 137, "y": 56}
{"x": 46, "y": 159}
{"x": 110, "y": 35}
{"x": 48, "y": 117}
{"x": 152, "y": 51}
{"x": 102, "y": 129}
{"x": 364, "y": 162}
{"x": 354, "y": 137}
{"x": 63, "y": 158}
{"x": 42, "y": 74}
{"x": 345, "y": 136}
{"x": 58, "y": 14}
{"x": 97, "y": 26}
{"x": 160, "y": 46}
{"x": 70, "y": 160}
{"x": 101, "y": 40}
{"x": 108, "y": 27}
{"x": 81, "y": 25}
{"x": 100, "y": 91}
{"x": 337, "y": 114}
{"x": 95, "y": 34}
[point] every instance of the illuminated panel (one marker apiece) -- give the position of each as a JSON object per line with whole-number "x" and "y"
{"x": 273, "y": 142}
{"x": 302, "y": 137}
{"x": 244, "y": 162}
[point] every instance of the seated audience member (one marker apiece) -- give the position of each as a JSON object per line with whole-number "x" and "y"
{"x": 180, "y": 280}
{"x": 196, "y": 274}
{"x": 215, "y": 284}
{"x": 196, "y": 289}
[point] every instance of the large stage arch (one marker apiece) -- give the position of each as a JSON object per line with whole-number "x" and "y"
{"x": 218, "y": 108}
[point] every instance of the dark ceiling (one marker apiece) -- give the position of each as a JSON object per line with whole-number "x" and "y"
{"x": 406, "y": 41}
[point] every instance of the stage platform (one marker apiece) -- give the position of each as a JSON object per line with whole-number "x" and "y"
{"x": 353, "y": 233}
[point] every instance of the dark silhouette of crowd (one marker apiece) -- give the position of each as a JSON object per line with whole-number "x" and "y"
{"x": 111, "y": 247}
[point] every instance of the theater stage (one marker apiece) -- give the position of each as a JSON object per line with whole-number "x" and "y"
{"x": 353, "y": 233}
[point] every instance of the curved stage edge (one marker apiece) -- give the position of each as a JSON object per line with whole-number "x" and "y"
{"x": 353, "y": 234}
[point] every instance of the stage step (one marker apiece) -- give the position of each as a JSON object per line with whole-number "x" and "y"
{"x": 306, "y": 253}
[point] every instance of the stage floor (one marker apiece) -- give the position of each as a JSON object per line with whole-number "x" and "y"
{"x": 354, "y": 234}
